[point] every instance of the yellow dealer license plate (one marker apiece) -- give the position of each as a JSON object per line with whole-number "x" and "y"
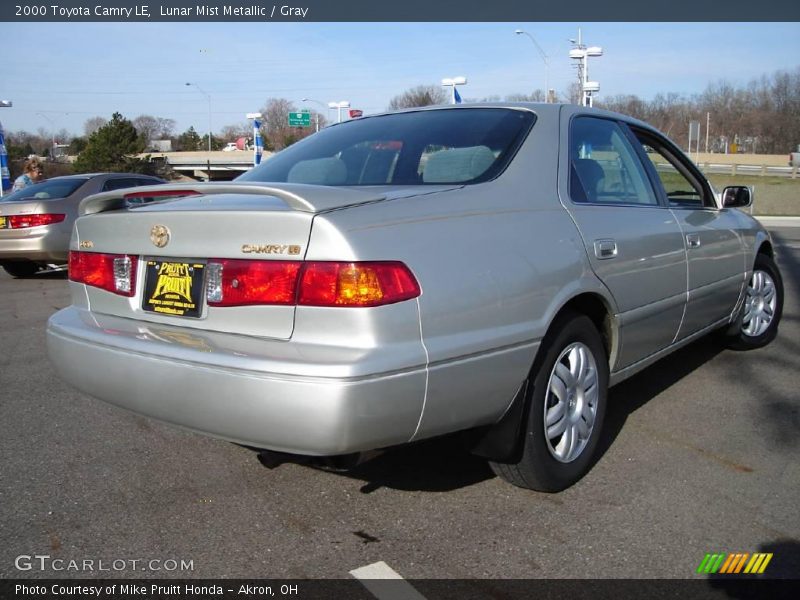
{"x": 2, "y": 222}
{"x": 173, "y": 288}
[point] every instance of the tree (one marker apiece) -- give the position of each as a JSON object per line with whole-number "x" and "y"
{"x": 113, "y": 148}
{"x": 154, "y": 128}
{"x": 77, "y": 145}
{"x": 231, "y": 133}
{"x": 422, "y": 95}
{"x": 216, "y": 143}
{"x": 275, "y": 129}
{"x": 535, "y": 96}
{"x": 188, "y": 141}
{"x": 93, "y": 124}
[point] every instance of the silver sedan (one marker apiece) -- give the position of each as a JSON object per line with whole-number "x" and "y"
{"x": 490, "y": 268}
{"x": 36, "y": 222}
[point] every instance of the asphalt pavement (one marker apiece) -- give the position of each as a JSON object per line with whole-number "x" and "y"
{"x": 700, "y": 454}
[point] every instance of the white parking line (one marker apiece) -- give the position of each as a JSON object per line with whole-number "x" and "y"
{"x": 385, "y": 583}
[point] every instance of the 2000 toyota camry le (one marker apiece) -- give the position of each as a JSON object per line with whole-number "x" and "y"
{"x": 492, "y": 268}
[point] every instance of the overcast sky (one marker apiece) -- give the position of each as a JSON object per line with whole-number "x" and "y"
{"x": 73, "y": 71}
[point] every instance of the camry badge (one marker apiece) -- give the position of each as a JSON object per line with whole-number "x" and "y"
{"x": 159, "y": 235}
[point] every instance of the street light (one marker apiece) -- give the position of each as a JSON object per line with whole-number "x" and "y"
{"x": 316, "y": 116}
{"x": 581, "y": 53}
{"x": 199, "y": 89}
{"x": 339, "y": 106}
{"x": 452, "y": 82}
{"x": 52, "y": 134}
{"x": 546, "y": 60}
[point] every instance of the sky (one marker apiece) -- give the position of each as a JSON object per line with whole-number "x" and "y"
{"x": 58, "y": 75}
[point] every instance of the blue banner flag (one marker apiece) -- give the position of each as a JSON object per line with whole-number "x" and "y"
{"x": 456, "y": 96}
{"x": 258, "y": 143}
{"x": 5, "y": 174}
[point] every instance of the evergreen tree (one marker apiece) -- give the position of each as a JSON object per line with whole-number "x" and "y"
{"x": 188, "y": 141}
{"x": 113, "y": 148}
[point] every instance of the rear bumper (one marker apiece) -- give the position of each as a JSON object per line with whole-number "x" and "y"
{"x": 45, "y": 243}
{"x": 246, "y": 390}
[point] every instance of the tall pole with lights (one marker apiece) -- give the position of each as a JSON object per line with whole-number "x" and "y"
{"x": 546, "y": 60}
{"x": 452, "y": 83}
{"x": 208, "y": 97}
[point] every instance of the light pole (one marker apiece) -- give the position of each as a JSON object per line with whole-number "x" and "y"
{"x": 52, "y": 134}
{"x": 199, "y": 89}
{"x": 316, "y": 116}
{"x": 581, "y": 53}
{"x": 546, "y": 60}
{"x": 452, "y": 82}
{"x": 339, "y": 106}
{"x": 5, "y": 174}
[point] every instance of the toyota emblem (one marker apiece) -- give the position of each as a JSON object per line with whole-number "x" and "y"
{"x": 159, "y": 235}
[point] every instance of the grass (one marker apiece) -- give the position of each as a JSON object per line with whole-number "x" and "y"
{"x": 774, "y": 196}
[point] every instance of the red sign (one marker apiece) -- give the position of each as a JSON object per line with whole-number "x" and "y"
{"x": 355, "y": 113}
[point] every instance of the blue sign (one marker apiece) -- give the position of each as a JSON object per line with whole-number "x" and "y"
{"x": 5, "y": 174}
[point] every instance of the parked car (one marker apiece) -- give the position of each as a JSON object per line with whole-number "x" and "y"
{"x": 230, "y": 147}
{"x": 491, "y": 268}
{"x": 36, "y": 222}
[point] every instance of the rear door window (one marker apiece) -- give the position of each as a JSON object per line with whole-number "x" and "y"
{"x": 604, "y": 165}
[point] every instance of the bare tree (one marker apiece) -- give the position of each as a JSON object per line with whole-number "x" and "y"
{"x": 535, "y": 96}
{"x": 277, "y": 132}
{"x": 422, "y": 95}
{"x": 93, "y": 124}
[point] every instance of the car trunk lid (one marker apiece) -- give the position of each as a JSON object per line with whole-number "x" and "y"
{"x": 246, "y": 222}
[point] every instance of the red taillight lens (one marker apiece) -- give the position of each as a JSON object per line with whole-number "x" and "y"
{"x": 24, "y": 221}
{"x": 356, "y": 284}
{"x": 114, "y": 273}
{"x": 245, "y": 282}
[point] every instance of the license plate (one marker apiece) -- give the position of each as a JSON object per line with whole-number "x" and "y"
{"x": 2, "y": 222}
{"x": 173, "y": 288}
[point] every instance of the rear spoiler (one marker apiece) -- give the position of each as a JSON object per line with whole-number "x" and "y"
{"x": 298, "y": 196}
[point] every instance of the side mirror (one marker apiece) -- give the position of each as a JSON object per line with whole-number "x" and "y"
{"x": 737, "y": 196}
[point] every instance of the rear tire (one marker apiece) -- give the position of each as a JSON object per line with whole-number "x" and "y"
{"x": 21, "y": 268}
{"x": 757, "y": 322}
{"x": 565, "y": 408}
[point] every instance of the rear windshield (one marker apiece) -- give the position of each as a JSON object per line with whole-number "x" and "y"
{"x": 46, "y": 190}
{"x": 469, "y": 145}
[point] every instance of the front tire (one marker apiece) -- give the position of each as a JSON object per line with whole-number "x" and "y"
{"x": 565, "y": 408}
{"x": 757, "y": 322}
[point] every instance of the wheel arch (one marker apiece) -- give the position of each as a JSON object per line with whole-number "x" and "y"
{"x": 503, "y": 440}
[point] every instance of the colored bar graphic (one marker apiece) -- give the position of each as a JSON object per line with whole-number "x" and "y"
{"x": 740, "y": 564}
{"x": 702, "y": 567}
{"x": 725, "y": 567}
{"x": 734, "y": 563}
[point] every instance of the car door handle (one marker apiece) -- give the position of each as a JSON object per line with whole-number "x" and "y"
{"x": 605, "y": 249}
{"x": 693, "y": 240}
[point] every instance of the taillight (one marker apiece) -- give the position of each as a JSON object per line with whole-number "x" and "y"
{"x": 356, "y": 284}
{"x": 114, "y": 273}
{"x": 24, "y": 221}
{"x": 244, "y": 282}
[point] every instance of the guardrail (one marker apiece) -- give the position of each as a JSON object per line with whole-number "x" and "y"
{"x": 760, "y": 170}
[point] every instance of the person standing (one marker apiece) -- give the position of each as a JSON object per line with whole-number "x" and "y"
{"x": 31, "y": 173}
